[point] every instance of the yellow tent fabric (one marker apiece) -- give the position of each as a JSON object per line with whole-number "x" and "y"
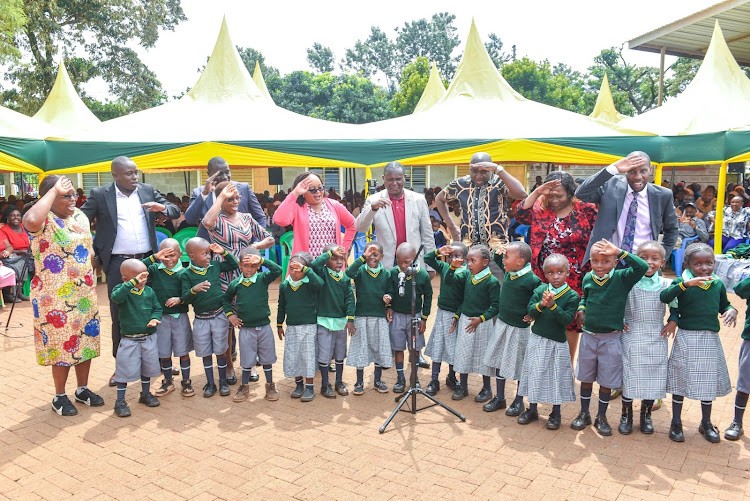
{"x": 479, "y": 103}
{"x": 604, "y": 109}
{"x": 261, "y": 82}
{"x": 433, "y": 91}
{"x": 717, "y": 99}
{"x": 63, "y": 108}
{"x": 14, "y": 124}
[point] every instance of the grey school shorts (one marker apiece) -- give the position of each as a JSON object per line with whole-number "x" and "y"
{"x": 137, "y": 357}
{"x": 331, "y": 345}
{"x": 400, "y": 332}
{"x": 743, "y": 367}
{"x": 600, "y": 359}
{"x": 256, "y": 343}
{"x": 210, "y": 336}
{"x": 174, "y": 336}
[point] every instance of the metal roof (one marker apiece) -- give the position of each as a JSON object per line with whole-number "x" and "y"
{"x": 690, "y": 36}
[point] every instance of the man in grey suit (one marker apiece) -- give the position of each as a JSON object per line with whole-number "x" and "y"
{"x": 202, "y": 197}
{"x": 125, "y": 214}
{"x": 631, "y": 209}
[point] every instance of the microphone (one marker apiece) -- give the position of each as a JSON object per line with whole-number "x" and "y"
{"x": 401, "y": 283}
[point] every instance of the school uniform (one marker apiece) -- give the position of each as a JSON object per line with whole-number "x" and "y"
{"x": 335, "y": 309}
{"x": 603, "y": 301}
{"x": 742, "y": 289}
{"x": 137, "y": 353}
{"x": 441, "y": 347}
{"x": 547, "y": 374}
{"x": 401, "y": 318}
{"x": 481, "y": 298}
{"x": 645, "y": 352}
{"x": 174, "y": 335}
{"x": 510, "y": 335}
{"x": 371, "y": 344}
{"x": 298, "y": 306}
{"x": 256, "y": 340}
{"x": 210, "y": 327}
{"x": 697, "y": 365}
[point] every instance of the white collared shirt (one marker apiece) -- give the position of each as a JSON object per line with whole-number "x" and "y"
{"x": 132, "y": 228}
{"x": 642, "y": 222}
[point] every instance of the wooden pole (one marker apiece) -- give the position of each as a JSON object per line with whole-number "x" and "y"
{"x": 662, "y": 53}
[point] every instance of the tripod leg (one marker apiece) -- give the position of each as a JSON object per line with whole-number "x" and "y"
{"x": 395, "y": 411}
{"x": 441, "y": 404}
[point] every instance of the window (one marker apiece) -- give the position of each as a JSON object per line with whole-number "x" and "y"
{"x": 329, "y": 176}
{"x": 416, "y": 178}
{"x": 90, "y": 181}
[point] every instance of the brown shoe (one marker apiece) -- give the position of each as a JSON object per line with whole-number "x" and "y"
{"x": 166, "y": 388}
{"x": 271, "y": 394}
{"x": 243, "y": 392}
{"x": 112, "y": 380}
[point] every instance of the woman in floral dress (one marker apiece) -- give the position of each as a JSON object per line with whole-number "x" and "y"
{"x": 63, "y": 292}
{"x": 560, "y": 224}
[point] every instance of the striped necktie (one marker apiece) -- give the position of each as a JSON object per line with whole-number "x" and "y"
{"x": 629, "y": 233}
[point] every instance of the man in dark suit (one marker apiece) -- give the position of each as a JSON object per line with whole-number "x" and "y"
{"x": 202, "y": 197}
{"x": 631, "y": 209}
{"x": 125, "y": 213}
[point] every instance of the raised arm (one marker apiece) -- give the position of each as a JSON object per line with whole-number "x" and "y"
{"x": 35, "y": 217}
{"x": 441, "y": 202}
{"x": 253, "y": 205}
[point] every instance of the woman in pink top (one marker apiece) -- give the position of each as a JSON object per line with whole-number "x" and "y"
{"x": 316, "y": 220}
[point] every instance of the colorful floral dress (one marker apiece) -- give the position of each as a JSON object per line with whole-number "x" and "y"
{"x": 63, "y": 292}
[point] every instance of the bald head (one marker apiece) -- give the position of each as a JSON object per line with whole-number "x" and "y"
{"x": 130, "y": 268}
{"x": 480, "y": 157}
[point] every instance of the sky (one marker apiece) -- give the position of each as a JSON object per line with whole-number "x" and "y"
{"x": 571, "y": 32}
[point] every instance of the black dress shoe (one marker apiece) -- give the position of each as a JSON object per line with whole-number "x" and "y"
{"x": 646, "y": 425}
{"x": 175, "y": 371}
{"x": 553, "y": 422}
{"x": 709, "y": 432}
{"x": 626, "y": 425}
{"x": 451, "y": 382}
{"x": 483, "y": 395}
{"x": 515, "y": 409}
{"x": 209, "y": 390}
{"x": 423, "y": 364}
{"x": 581, "y": 421}
{"x": 602, "y": 426}
{"x": 460, "y": 393}
{"x": 231, "y": 381}
{"x": 675, "y": 433}
{"x": 253, "y": 377}
{"x": 327, "y": 391}
{"x": 734, "y": 432}
{"x": 528, "y": 416}
{"x": 495, "y": 404}
{"x": 224, "y": 388}
{"x": 433, "y": 388}
{"x": 400, "y": 386}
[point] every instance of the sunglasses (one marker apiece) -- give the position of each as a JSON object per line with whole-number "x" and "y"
{"x": 321, "y": 189}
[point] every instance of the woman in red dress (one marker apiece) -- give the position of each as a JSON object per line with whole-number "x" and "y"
{"x": 562, "y": 224}
{"x": 15, "y": 246}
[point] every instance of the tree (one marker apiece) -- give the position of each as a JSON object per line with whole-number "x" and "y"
{"x": 12, "y": 21}
{"x": 414, "y": 79}
{"x": 559, "y": 86}
{"x": 495, "y": 50}
{"x": 376, "y": 54}
{"x": 271, "y": 74}
{"x": 635, "y": 89}
{"x": 356, "y": 100}
{"x": 320, "y": 58}
{"x": 103, "y": 31}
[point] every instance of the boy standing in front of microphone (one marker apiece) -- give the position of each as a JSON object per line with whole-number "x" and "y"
{"x": 398, "y": 307}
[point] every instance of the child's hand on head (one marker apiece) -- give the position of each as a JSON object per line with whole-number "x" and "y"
{"x": 457, "y": 262}
{"x": 338, "y": 251}
{"x": 153, "y": 322}
{"x": 251, "y": 259}
{"x": 669, "y": 329}
{"x": 445, "y": 250}
{"x": 172, "y": 302}
{"x": 216, "y": 248}
{"x": 142, "y": 278}
{"x": 473, "y": 324}
{"x": 729, "y": 317}
{"x": 165, "y": 253}
{"x": 605, "y": 247}
{"x": 370, "y": 250}
{"x": 235, "y": 321}
{"x": 202, "y": 287}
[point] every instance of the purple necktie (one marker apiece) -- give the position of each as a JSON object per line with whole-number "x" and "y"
{"x": 629, "y": 234}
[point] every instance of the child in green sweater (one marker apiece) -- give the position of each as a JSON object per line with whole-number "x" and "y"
{"x": 735, "y": 431}
{"x": 697, "y": 365}
{"x": 174, "y": 334}
{"x": 335, "y": 316}
{"x": 298, "y": 305}
{"x": 441, "y": 347}
{"x": 137, "y": 354}
{"x": 371, "y": 343}
{"x": 547, "y": 374}
{"x": 201, "y": 287}
{"x": 600, "y": 313}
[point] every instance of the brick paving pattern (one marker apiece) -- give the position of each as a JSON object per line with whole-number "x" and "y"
{"x": 200, "y": 448}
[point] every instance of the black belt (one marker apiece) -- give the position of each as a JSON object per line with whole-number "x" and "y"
{"x": 132, "y": 256}
{"x": 207, "y": 315}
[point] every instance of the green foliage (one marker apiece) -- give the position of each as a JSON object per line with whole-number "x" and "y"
{"x": 320, "y": 58}
{"x": 12, "y": 21}
{"x": 495, "y": 50}
{"x": 106, "y": 110}
{"x": 559, "y": 86}
{"x": 414, "y": 79}
{"x": 271, "y": 74}
{"x": 100, "y": 29}
{"x": 635, "y": 89}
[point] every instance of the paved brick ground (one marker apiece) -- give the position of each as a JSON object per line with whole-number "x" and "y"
{"x": 330, "y": 449}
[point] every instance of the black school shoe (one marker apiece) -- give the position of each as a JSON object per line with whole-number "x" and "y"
{"x": 581, "y": 421}
{"x": 327, "y": 391}
{"x": 253, "y": 377}
{"x": 209, "y": 390}
{"x": 224, "y": 390}
{"x": 626, "y": 425}
{"x": 451, "y": 382}
{"x": 308, "y": 394}
{"x": 495, "y": 404}
{"x": 734, "y": 432}
{"x": 528, "y": 416}
{"x": 121, "y": 408}
{"x": 149, "y": 400}
{"x": 299, "y": 389}
{"x": 675, "y": 433}
{"x": 483, "y": 395}
{"x": 646, "y": 424}
{"x": 63, "y": 406}
{"x": 89, "y": 398}
{"x": 516, "y": 408}
{"x": 553, "y": 422}
{"x": 433, "y": 388}
{"x": 460, "y": 393}
{"x": 709, "y": 432}
{"x": 400, "y": 385}
{"x": 422, "y": 363}
{"x": 232, "y": 380}
{"x": 602, "y": 426}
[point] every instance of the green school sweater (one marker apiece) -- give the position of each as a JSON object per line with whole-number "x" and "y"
{"x": 166, "y": 285}
{"x": 402, "y": 304}
{"x": 698, "y": 308}
{"x": 551, "y": 323}
{"x": 137, "y": 308}
{"x": 211, "y": 299}
{"x": 251, "y": 298}
{"x": 299, "y": 304}
{"x": 369, "y": 287}
{"x": 515, "y": 294}
{"x": 742, "y": 289}
{"x": 336, "y": 297}
{"x": 481, "y": 297}
{"x": 604, "y": 300}
{"x": 451, "y": 293}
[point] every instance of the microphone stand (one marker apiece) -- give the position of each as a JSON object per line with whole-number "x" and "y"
{"x": 414, "y": 388}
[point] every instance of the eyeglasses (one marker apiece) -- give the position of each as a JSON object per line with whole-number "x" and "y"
{"x": 69, "y": 197}
{"x": 320, "y": 188}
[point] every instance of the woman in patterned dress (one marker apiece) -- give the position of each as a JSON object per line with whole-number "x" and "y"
{"x": 63, "y": 292}
{"x": 234, "y": 231}
{"x": 560, "y": 224}
{"x": 736, "y": 226}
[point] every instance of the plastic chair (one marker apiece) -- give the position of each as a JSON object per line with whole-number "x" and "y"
{"x": 160, "y": 237}
{"x": 160, "y": 229}
{"x": 183, "y": 236}
{"x": 360, "y": 239}
{"x": 287, "y": 242}
{"x": 523, "y": 230}
{"x": 675, "y": 259}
